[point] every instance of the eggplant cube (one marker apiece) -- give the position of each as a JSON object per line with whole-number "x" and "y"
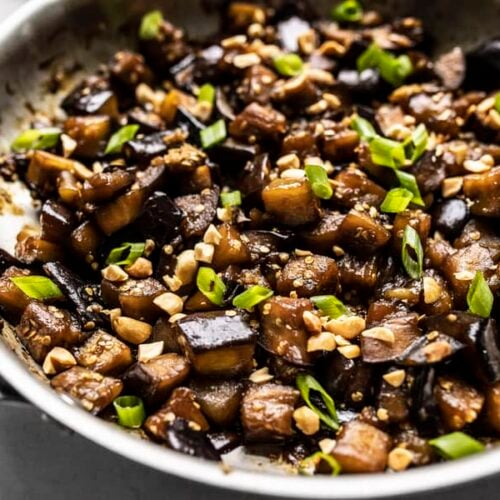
{"x": 12, "y": 299}
{"x": 94, "y": 391}
{"x": 218, "y": 343}
{"x": 104, "y": 354}
{"x": 154, "y": 379}
{"x": 266, "y": 412}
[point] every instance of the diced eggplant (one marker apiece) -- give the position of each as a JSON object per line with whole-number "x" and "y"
{"x": 218, "y": 343}
{"x": 153, "y": 380}
{"x": 219, "y": 400}
{"x": 409, "y": 439}
{"x": 105, "y": 185}
{"x": 395, "y": 401}
{"x": 417, "y": 219}
{"x": 89, "y": 132}
{"x": 129, "y": 69}
{"x": 301, "y": 143}
{"x": 437, "y": 251}
{"x": 141, "y": 150}
{"x": 149, "y": 121}
{"x": 232, "y": 155}
{"x": 283, "y": 329}
{"x": 56, "y": 222}
{"x": 43, "y": 327}
{"x": 429, "y": 171}
{"x": 182, "y": 405}
{"x": 324, "y": 235}
{"x": 362, "y": 234}
{"x": 184, "y": 159}
{"x": 255, "y": 176}
{"x": 69, "y": 188}
{"x": 266, "y": 412}
{"x": 184, "y": 119}
{"x": 263, "y": 123}
{"x": 359, "y": 273}
{"x": 493, "y": 407}
{"x": 166, "y": 332}
{"x": 12, "y": 299}
{"x": 308, "y": 276}
{"x": 459, "y": 403}
{"x": 134, "y": 297}
{"x": 353, "y": 187}
{"x": 262, "y": 243}
{"x": 362, "y": 448}
{"x": 479, "y": 231}
{"x": 86, "y": 239}
{"x": 427, "y": 350}
{"x": 291, "y": 202}
{"x": 424, "y": 404}
{"x": 405, "y": 330}
{"x": 105, "y": 354}
{"x": 91, "y": 97}
{"x": 31, "y": 248}
{"x": 484, "y": 191}
{"x": 198, "y": 303}
{"x": 160, "y": 219}
{"x": 93, "y": 390}
{"x": 296, "y": 93}
{"x": 257, "y": 85}
{"x": 195, "y": 220}
{"x": 339, "y": 145}
{"x": 450, "y": 216}
{"x": 232, "y": 249}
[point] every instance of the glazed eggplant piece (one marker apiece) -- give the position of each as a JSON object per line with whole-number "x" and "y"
{"x": 86, "y": 239}
{"x": 231, "y": 250}
{"x": 44, "y": 326}
{"x": 104, "y": 354}
{"x": 219, "y": 400}
{"x": 166, "y": 332}
{"x": 362, "y": 448}
{"x": 459, "y": 403}
{"x": 308, "y": 276}
{"x": 266, "y": 412}
{"x": 429, "y": 171}
{"x": 12, "y": 299}
{"x": 94, "y": 391}
{"x": 359, "y": 273}
{"x": 395, "y": 401}
{"x": 484, "y": 191}
{"x": 429, "y": 349}
{"x": 91, "y": 97}
{"x": 291, "y": 202}
{"x": 31, "y": 248}
{"x": 450, "y": 216}
{"x": 128, "y": 69}
{"x": 195, "y": 219}
{"x": 417, "y": 219}
{"x": 354, "y": 187}
{"x": 218, "y": 343}
{"x": 324, "y": 235}
{"x": 154, "y": 380}
{"x": 492, "y": 407}
{"x": 263, "y": 123}
{"x": 89, "y": 132}
{"x": 284, "y": 332}
{"x": 255, "y": 176}
{"x": 56, "y": 222}
{"x": 104, "y": 186}
{"x": 180, "y": 405}
{"x": 141, "y": 150}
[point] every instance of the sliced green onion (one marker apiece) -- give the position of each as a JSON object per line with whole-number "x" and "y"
{"x": 348, "y": 11}
{"x": 456, "y": 445}
{"x": 207, "y": 93}
{"x": 409, "y": 182}
{"x": 307, "y": 383}
{"x": 387, "y": 152}
{"x": 310, "y": 464}
{"x": 213, "y": 134}
{"x": 412, "y": 243}
{"x": 126, "y": 254}
{"x": 497, "y": 102}
{"x": 288, "y": 64}
{"x": 150, "y": 25}
{"x": 41, "y": 138}
{"x": 319, "y": 181}
{"x": 363, "y": 127}
{"x": 396, "y": 200}
{"x": 210, "y": 285}
{"x": 230, "y": 199}
{"x": 251, "y": 297}
{"x": 37, "y": 287}
{"x": 370, "y": 58}
{"x": 130, "y": 411}
{"x": 479, "y": 297}
{"x": 330, "y": 305}
{"x": 118, "y": 139}
{"x": 416, "y": 143}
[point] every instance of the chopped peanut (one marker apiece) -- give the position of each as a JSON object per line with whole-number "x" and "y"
{"x": 306, "y": 420}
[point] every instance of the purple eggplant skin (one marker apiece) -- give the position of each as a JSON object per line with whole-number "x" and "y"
{"x": 424, "y": 405}
{"x": 144, "y": 149}
{"x": 450, "y": 217}
{"x": 57, "y": 222}
{"x": 160, "y": 219}
{"x": 182, "y": 438}
{"x": 186, "y": 121}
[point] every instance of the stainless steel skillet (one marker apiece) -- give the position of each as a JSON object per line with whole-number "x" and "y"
{"x": 48, "y": 34}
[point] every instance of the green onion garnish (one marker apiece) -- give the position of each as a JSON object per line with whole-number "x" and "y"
{"x": 479, "y": 297}
{"x": 409, "y": 182}
{"x": 230, "y": 199}
{"x": 118, "y": 139}
{"x": 288, "y": 64}
{"x": 416, "y": 143}
{"x": 330, "y": 305}
{"x": 387, "y": 152}
{"x": 130, "y": 411}
{"x": 319, "y": 181}
{"x": 210, "y": 285}
{"x": 412, "y": 243}
{"x": 348, "y": 11}
{"x": 41, "y": 138}
{"x": 251, "y": 297}
{"x": 309, "y": 464}
{"x": 207, "y": 93}
{"x": 307, "y": 383}
{"x": 497, "y": 102}
{"x": 126, "y": 254}
{"x": 37, "y": 287}
{"x": 456, "y": 445}
{"x": 393, "y": 70}
{"x": 213, "y": 134}
{"x": 363, "y": 127}
{"x": 396, "y": 200}
{"x": 150, "y": 25}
